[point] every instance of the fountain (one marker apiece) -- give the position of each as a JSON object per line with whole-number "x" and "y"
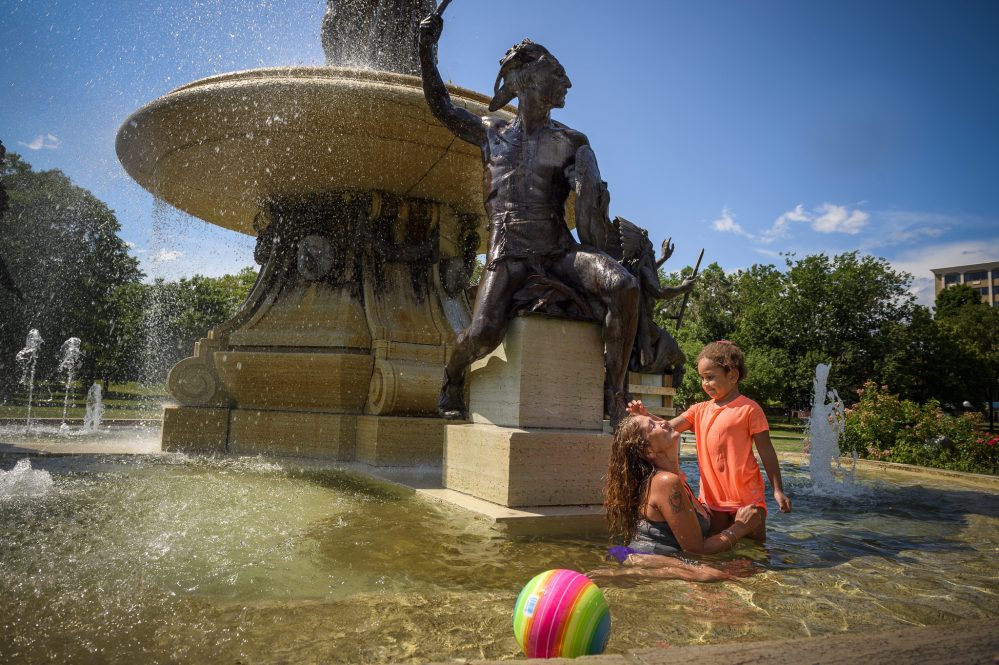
{"x": 368, "y": 217}
{"x": 825, "y": 429}
{"x": 69, "y": 362}
{"x": 95, "y": 409}
{"x": 27, "y": 359}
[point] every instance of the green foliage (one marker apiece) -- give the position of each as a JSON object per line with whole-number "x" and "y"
{"x": 884, "y": 427}
{"x": 710, "y": 315}
{"x": 969, "y": 330}
{"x": 950, "y": 301}
{"x": 842, "y": 310}
{"x": 62, "y": 248}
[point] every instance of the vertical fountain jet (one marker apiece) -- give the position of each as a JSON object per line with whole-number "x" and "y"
{"x": 27, "y": 360}
{"x": 69, "y": 363}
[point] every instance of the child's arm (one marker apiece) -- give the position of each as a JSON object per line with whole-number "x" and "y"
{"x": 769, "y": 458}
{"x": 636, "y": 408}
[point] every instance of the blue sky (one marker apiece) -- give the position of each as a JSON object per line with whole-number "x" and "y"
{"x": 748, "y": 128}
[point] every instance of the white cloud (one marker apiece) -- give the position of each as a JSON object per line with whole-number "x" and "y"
{"x": 838, "y": 219}
{"x": 919, "y": 262}
{"x": 824, "y": 218}
{"x": 46, "y": 142}
{"x": 726, "y": 224}
{"x": 166, "y": 255}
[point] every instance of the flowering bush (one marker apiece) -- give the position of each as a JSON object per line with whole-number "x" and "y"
{"x": 883, "y": 427}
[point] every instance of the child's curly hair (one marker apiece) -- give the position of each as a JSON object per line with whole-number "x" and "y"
{"x": 726, "y": 355}
{"x": 628, "y": 475}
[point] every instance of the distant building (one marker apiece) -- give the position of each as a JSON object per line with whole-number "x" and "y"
{"x": 983, "y": 277}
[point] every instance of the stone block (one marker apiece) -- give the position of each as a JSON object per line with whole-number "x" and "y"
{"x": 194, "y": 429}
{"x": 546, "y": 373}
{"x": 298, "y": 433}
{"x": 388, "y": 441}
{"x": 519, "y": 467}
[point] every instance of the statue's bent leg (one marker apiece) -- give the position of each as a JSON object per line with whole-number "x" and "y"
{"x": 490, "y": 318}
{"x": 617, "y": 289}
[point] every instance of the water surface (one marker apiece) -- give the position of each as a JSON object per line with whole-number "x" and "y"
{"x": 169, "y": 558}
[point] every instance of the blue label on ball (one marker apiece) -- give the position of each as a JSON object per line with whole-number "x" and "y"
{"x": 531, "y": 604}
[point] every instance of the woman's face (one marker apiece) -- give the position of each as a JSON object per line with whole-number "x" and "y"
{"x": 663, "y": 441}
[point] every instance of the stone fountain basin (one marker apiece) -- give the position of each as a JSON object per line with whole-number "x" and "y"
{"x": 219, "y": 147}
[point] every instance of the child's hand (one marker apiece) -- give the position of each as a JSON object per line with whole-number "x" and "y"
{"x": 783, "y": 501}
{"x": 636, "y": 408}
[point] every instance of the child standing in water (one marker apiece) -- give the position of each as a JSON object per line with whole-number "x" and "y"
{"x": 726, "y": 427}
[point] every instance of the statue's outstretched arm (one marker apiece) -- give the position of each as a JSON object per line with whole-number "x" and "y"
{"x": 465, "y": 125}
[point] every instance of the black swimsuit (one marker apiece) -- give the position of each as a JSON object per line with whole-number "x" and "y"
{"x": 657, "y": 537}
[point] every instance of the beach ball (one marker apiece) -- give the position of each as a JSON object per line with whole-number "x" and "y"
{"x": 561, "y": 614}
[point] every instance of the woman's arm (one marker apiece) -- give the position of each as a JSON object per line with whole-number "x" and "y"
{"x": 669, "y": 498}
{"x": 769, "y": 458}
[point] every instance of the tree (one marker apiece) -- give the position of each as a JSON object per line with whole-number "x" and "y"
{"x": 61, "y": 243}
{"x": 951, "y": 300}
{"x": 839, "y": 310}
{"x": 710, "y": 315}
{"x": 970, "y": 332}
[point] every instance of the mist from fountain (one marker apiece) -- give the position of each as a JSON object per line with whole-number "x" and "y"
{"x": 95, "y": 409}
{"x": 69, "y": 363}
{"x": 825, "y": 429}
{"x": 27, "y": 360}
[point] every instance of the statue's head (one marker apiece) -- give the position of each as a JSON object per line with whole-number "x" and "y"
{"x": 528, "y": 66}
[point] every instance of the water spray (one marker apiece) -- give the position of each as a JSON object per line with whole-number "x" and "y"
{"x": 69, "y": 362}
{"x": 27, "y": 359}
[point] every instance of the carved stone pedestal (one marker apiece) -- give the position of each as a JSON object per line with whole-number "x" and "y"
{"x": 339, "y": 351}
{"x": 537, "y": 434}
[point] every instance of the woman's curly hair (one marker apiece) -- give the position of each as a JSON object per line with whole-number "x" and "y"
{"x": 628, "y": 476}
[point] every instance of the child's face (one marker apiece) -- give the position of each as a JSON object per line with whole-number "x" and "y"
{"x": 716, "y": 381}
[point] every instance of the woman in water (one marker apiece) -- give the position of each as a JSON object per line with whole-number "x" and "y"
{"x": 651, "y": 507}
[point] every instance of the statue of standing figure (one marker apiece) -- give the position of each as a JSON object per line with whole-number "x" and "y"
{"x": 531, "y": 164}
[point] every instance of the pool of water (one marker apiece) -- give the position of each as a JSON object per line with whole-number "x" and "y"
{"x": 178, "y": 559}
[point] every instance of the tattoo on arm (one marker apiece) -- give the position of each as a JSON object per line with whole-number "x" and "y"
{"x": 676, "y": 501}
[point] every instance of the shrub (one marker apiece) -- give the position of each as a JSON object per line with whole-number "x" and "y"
{"x": 881, "y": 426}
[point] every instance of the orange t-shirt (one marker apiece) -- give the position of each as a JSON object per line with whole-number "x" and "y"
{"x": 730, "y": 476}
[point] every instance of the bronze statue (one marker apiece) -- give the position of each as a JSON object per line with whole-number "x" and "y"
{"x": 655, "y": 351}
{"x": 531, "y": 163}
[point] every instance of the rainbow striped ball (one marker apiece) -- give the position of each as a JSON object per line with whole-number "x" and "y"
{"x": 561, "y": 614}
